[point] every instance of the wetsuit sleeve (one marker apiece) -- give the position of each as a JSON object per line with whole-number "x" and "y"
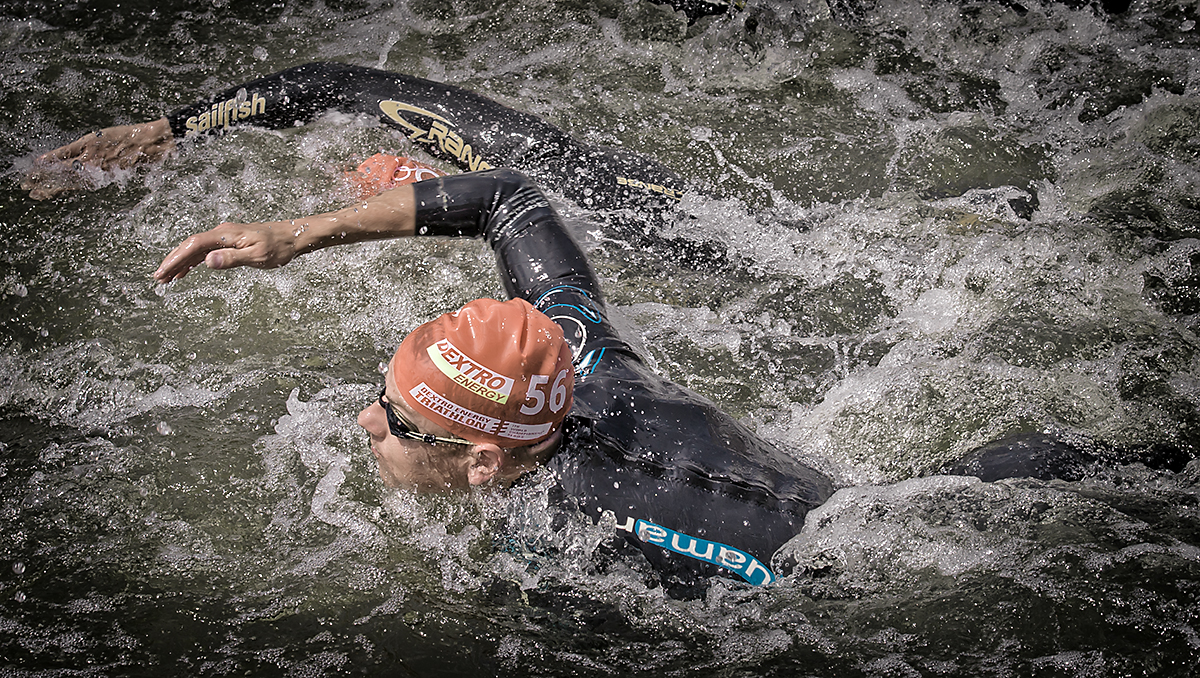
{"x": 452, "y": 123}
{"x": 538, "y": 259}
{"x": 448, "y": 121}
{"x": 290, "y": 98}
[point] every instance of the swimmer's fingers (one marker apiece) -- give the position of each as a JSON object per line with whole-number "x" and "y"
{"x": 111, "y": 148}
{"x": 45, "y": 185}
{"x": 48, "y": 179}
{"x": 229, "y": 246}
{"x": 80, "y": 149}
{"x": 188, "y": 254}
{"x": 121, "y": 146}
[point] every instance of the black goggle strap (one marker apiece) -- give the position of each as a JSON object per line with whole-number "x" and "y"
{"x": 402, "y": 429}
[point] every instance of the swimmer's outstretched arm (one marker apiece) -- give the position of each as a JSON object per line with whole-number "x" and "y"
{"x": 538, "y": 259}
{"x": 452, "y": 123}
{"x": 533, "y": 249}
{"x": 272, "y": 244}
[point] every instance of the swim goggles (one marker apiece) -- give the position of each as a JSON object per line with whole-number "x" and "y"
{"x": 402, "y": 429}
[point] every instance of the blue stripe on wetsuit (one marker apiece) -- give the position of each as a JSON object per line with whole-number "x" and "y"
{"x": 715, "y": 553}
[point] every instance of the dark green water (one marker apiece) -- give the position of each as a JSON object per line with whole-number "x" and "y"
{"x": 946, "y": 222}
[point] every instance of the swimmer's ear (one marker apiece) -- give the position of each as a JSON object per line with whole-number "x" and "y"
{"x": 485, "y": 463}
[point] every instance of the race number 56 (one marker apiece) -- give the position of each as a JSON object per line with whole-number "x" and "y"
{"x": 536, "y": 393}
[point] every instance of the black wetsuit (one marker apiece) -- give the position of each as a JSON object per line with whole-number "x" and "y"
{"x": 687, "y": 483}
{"x": 452, "y": 123}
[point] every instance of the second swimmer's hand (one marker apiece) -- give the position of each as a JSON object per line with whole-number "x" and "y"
{"x": 265, "y": 245}
{"x": 390, "y": 214}
{"x": 109, "y": 149}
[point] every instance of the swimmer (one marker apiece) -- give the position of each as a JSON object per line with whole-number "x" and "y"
{"x": 488, "y": 393}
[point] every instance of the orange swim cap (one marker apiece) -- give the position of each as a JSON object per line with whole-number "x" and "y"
{"x": 497, "y": 372}
{"x": 383, "y": 171}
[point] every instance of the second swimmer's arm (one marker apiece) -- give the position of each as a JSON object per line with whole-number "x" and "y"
{"x": 533, "y": 248}
{"x": 271, "y": 244}
{"x": 296, "y": 95}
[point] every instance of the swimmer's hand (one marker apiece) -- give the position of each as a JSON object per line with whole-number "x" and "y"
{"x": 109, "y": 149}
{"x": 272, "y": 244}
{"x": 263, "y": 245}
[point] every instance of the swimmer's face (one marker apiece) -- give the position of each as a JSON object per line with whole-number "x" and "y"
{"x": 413, "y": 464}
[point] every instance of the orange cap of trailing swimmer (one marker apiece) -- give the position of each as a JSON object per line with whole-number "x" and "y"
{"x": 497, "y": 372}
{"x": 384, "y": 171}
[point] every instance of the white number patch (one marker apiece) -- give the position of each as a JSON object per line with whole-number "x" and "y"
{"x": 535, "y": 397}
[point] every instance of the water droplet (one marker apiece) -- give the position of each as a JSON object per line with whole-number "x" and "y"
{"x": 164, "y": 428}
{"x": 18, "y": 568}
{"x": 20, "y": 597}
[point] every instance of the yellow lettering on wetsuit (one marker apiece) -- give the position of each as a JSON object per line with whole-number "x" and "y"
{"x": 653, "y": 188}
{"x": 439, "y": 134}
{"x": 225, "y": 113}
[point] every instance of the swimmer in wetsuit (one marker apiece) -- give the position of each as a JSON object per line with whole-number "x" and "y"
{"x": 544, "y": 379}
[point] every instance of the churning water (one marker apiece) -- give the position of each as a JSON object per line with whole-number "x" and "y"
{"x": 943, "y": 223}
